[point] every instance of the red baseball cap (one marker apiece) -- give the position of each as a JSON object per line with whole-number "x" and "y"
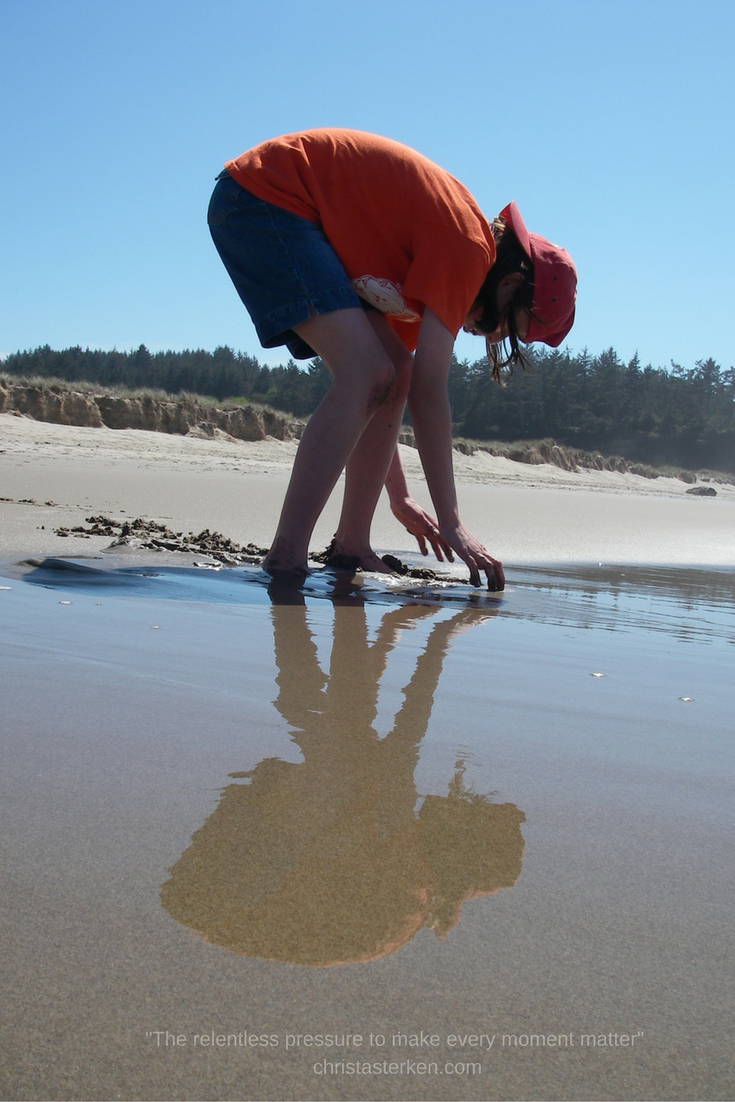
{"x": 554, "y": 282}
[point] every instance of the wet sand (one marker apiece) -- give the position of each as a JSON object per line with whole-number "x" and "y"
{"x": 243, "y": 822}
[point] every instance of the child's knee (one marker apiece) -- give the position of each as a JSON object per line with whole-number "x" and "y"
{"x": 395, "y": 382}
{"x": 381, "y": 380}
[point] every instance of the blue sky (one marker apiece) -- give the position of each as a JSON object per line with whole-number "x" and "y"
{"x": 610, "y": 122}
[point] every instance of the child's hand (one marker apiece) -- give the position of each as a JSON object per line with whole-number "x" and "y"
{"x": 471, "y": 551}
{"x": 423, "y": 526}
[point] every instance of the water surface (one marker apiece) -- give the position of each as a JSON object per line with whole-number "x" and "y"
{"x": 366, "y": 808}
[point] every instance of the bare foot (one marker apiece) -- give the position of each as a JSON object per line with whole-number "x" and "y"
{"x": 286, "y": 575}
{"x": 340, "y": 558}
{"x": 282, "y": 560}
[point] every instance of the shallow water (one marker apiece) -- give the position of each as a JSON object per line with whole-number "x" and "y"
{"x": 497, "y": 826}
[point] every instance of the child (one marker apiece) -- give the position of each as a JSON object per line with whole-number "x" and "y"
{"x": 359, "y": 250}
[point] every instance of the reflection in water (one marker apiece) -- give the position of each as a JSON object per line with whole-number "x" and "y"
{"x": 328, "y": 861}
{"x": 695, "y": 605}
{"x": 684, "y": 603}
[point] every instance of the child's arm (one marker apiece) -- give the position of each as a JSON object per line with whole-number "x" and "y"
{"x": 410, "y": 514}
{"x": 432, "y": 424}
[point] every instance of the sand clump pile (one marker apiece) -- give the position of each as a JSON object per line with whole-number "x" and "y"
{"x": 151, "y": 535}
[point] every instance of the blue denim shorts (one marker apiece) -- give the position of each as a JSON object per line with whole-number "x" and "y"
{"x": 283, "y": 267}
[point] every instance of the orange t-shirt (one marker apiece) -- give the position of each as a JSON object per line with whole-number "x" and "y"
{"x": 408, "y": 234}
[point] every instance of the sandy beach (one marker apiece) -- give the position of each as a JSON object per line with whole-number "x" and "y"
{"x": 374, "y": 838}
{"x": 53, "y": 475}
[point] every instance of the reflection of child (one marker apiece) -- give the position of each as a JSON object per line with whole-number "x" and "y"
{"x": 360, "y": 250}
{"x": 272, "y": 875}
{"x": 326, "y": 861}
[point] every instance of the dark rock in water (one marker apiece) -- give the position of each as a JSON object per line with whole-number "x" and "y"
{"x": 702, "y": 491}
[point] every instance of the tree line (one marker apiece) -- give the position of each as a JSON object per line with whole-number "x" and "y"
{"x": 682, "y": 416}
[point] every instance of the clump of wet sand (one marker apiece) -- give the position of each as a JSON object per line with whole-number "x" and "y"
{"x": 151, "y": 535}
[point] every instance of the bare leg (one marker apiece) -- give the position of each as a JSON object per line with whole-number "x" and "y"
{"x": 362, "y": 374}
{"x": 370, "y": 460}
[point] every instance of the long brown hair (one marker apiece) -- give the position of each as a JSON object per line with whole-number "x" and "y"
{"x": 509, "y": 258}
